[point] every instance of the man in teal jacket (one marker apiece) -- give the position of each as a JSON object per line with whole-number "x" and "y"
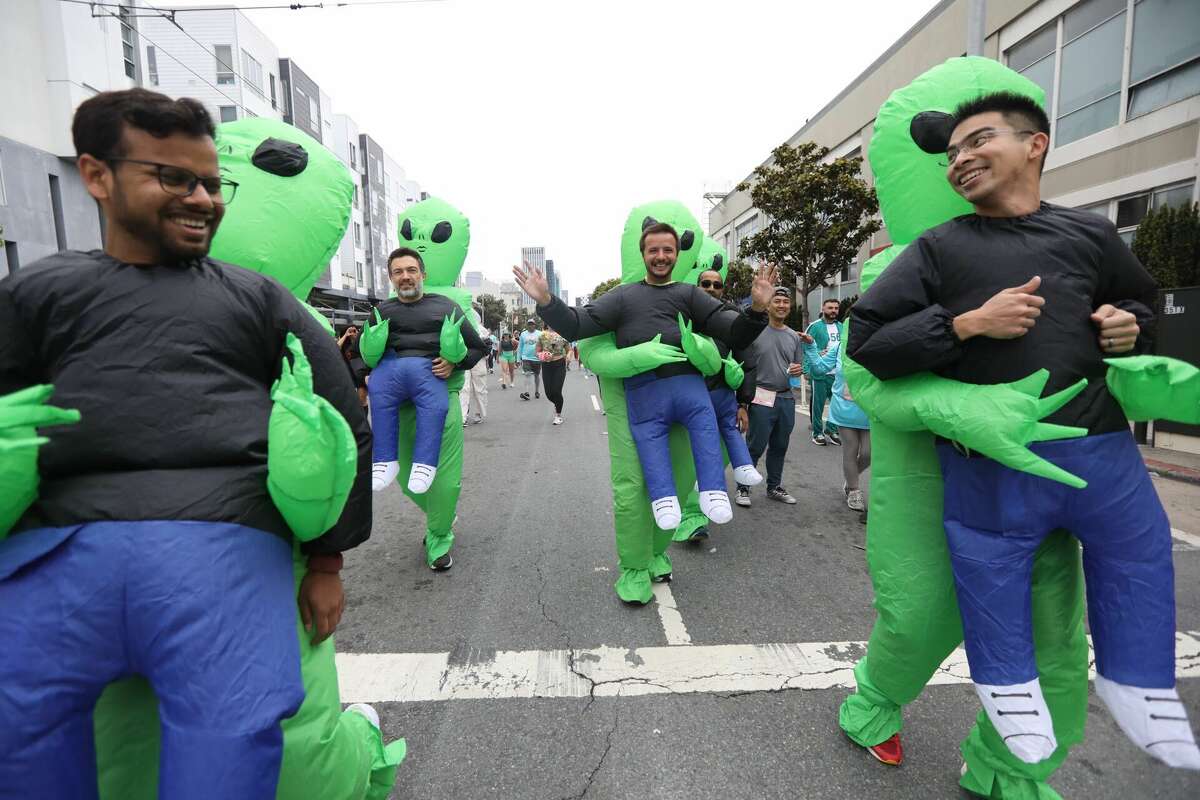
{"x": 826, "y": 332}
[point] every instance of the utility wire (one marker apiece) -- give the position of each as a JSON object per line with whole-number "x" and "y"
{"x": 287, "y": 6}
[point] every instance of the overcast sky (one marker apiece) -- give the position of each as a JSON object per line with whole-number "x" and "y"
{"x": 545, "y": 121}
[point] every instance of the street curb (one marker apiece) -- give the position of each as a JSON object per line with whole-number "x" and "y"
{"x": 1173, "y": 472}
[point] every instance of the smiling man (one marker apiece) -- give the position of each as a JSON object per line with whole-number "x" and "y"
{"x": 154, "y": 547}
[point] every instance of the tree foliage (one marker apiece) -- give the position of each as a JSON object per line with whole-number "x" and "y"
{"x": 605, "y": 286}
{"x": 493, "y": 311}
{"x": 1168, "y": 245}
{"x": 738, "y": 281}
{"x": 818, "y": 215}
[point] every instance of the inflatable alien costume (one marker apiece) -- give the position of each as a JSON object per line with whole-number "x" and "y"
{"x": 917, "y": 622}
{"x": 293, "y": 207}
{"x": 441, "y": 234}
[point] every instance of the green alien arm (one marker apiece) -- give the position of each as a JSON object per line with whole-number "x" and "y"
{"x": 735, "y": 374}
{"x": 602, "y": 356}
{"x": 700, "y": 350}
{"x": 311, "y": 452}
{"x": 1155, "y": 387}
{"x": 452, "y": 346}
{"x": 20, "y": 413}
{"x": 372, "y": 342}
{"x": 1000, "y": 421}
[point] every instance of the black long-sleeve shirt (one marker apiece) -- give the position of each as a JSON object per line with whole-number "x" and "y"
{"x": 171, "y": 369}
{"x": 904, "y": 322}
{"x": 749, "y": 361}
{"x": 637, "y": 312}
{"x": 414, "y": 329}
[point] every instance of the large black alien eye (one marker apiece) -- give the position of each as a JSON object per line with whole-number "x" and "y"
{"x": 648, "y": 221}
{"x": 286, "y": 159}
{"x": 406, "y": 229}
{"x": 931, "y": 131}
{"x": 718, "y": 262}
{"x": 441, "y": 232}
{"x": 687, "y": 240}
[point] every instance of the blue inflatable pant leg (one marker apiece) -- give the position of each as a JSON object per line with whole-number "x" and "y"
{"x": 204, "y": 610}
{"x": 725, "y": 406}
{"x": 654, "y": 404}
{"x": 408, "y": 379}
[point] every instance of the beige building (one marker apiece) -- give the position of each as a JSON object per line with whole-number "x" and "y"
{"x": 1122, "y": 81}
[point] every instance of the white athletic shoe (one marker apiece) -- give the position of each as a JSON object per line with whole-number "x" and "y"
{"x": 1153, "y": 719}
{"x": 747, "y": 475}
{"x": 367, "y": 711}
{"x": 557, "y": 420}
{"x": 383, "y": 473}
{"x": 854, "y": 500}
{"x": 1020, "y": 716}
{"x": 420, "y": 478}
{"x": 666, "y": 512}
{"x": 715, "y": 506}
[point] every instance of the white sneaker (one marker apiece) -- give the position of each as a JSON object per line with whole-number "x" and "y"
{"x": 854, "y": 500}
{"x": 747, "y": 475}
{"x": 420, "y": 478}
{"x": 557, "y": 420}
{"x": 666, "y": 512}
{"x": 383, "y": 473}
{"x": 1153, "y": 719}
{"x": 367, "y": 711}
{"x": 1020, "y": 716}
{"x": 715, "y": 506}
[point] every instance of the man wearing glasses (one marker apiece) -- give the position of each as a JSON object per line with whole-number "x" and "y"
{"x": 153, "y": 547}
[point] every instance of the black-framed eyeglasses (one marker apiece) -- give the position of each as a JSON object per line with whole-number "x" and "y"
{"x": 711, "y": 285}
{"x": 182, "y": 182}
{"x": 977, "y": 141}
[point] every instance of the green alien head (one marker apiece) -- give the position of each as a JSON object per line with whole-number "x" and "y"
{"x": 441, "y": 234}
{"x": 292, "y": 204}
{"x": 914, "y": 194}
{"x": 675, "y": 214}
{"x": 711, "y": 256}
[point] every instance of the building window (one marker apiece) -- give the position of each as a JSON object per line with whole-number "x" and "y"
{"x": 356, "y": 195}
{"x": 314, "y": 115}
{"x": 1165, "y": 63}
{"x": 357, "y": 235}
{"x": 252, "y": 73}
{"x": 353, "y": 156}
{"x": 1033, "y": 57}
{"x": 228, "y": 113}
{"x": 128, "y": 47}
{"x": 1132, "y": 210}
{"x": 224, "y": 56}
{"x": 358, "y": 272}
{"x": 1089, "y": 89}
{"x": 152, "y": 65}
{"x": 271, "y": 76}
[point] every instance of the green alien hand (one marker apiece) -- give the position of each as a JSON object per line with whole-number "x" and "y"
{"x": 734, "y": 374}
{"x": 602, "y": 356}
{"x": 1155, "y": 387}
{"x": 372, "y": 342}
{"x": 311, "y": 452}
{"x": 700, "y": 350}
{"x": 20, "y": 413}
{"x": 451, "y": 344}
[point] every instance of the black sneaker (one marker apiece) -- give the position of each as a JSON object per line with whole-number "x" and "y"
{"x": 781, "y": 494}
{"x": 699, "y": 535}
{"x": 442, "y": 564}
{"x": 743, "y": 497}
{"x": 537, "y": 394}
{"x": 819, "y": 439}
{"x": 662, "y": 578}
{"x": 833, "y": 438}
{"x": 524, "y": 395}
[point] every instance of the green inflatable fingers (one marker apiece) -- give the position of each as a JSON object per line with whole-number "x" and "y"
{"x": 451, "y": 344}
{"x": 700, "y": 350}
{"x": 372, "y": 342}
{"x": 1155, "y": 387}
{"x": 311, "y": 453}
{"x": 20, "y": 414}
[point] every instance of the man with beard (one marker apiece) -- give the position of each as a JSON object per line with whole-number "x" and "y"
{"x": 154, "y": 546}
{"x": 826, "y": 334}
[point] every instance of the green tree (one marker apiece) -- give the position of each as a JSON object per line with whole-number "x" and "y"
{"x": 492, "y": 310}
{"x": 1168, "y": 245}
{"x": 818, "y": 215}
{"x": 604, "y": 286}
{"x": 738, "y": 281}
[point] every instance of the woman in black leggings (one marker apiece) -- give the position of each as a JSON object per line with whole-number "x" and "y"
{"x": 552, "y": 351}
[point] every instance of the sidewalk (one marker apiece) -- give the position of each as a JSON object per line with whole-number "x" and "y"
{"x": 1178, "y": 465}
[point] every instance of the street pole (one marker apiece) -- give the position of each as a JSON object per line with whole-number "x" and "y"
{"x": 976, "y": 12}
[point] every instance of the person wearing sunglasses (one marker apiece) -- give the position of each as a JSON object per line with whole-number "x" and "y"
{"x": 153, "y": 546}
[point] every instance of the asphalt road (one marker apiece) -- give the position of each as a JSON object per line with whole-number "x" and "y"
{"x": 534, "y": 567}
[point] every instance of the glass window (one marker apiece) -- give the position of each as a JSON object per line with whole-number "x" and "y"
{"x": 314, "y": 115}
{"x": 252, "y": 72}
{"x": 1174, "y": 196}
{"x": 1097, "y": 208}
{"x": 1131, "y": 210}
{"x": 228, "y": 113}
{"x": 224, "y": 57}
{"x": 1166, "y": 33}
{"x": 1176, "y": 85}
{"x": 1033, "y": 48}
{"x": 1042, "y": 73}
{"x": 273, "y": 97}
{"x": 357, "y": 235}
{"x": 1090, "y": 83}
{"x": 129, "y": 50}
{"x": 1085, "y": 16}
{"x": 152, "y": 65}
{"x": 356, "y": 195}
{"x": 3, "y": 201}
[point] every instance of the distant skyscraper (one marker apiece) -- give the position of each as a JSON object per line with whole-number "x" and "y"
{"x": 552, "y": 277}
{"x": 534, "y": 257}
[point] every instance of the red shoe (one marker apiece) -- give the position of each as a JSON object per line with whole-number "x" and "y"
{"x": 889, "y": 752}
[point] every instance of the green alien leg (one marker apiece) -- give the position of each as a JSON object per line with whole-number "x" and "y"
{"x": 441, "y": 501}
{"x": 327, "y": 753}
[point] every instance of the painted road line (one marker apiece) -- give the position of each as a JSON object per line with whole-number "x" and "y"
{"x": 595, "y": 403}
{"x": 1186, "y": 538}
{"x": 668, "y": 612}
{"x": 627, "y": 672}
